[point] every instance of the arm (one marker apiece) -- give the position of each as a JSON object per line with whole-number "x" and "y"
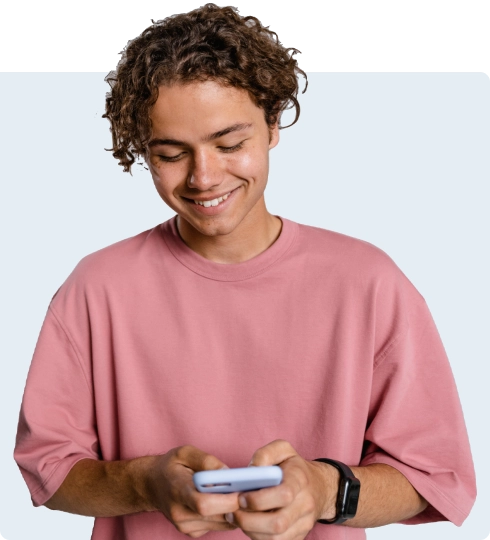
{"x": 386, "y": 496}
{"x": 161, "y": 483}
{"x": 104, "y": 488}
{"x": 309, "y": 490}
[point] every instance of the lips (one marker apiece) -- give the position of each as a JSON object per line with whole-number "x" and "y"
{"x": 210, "y": 198}
{"x": 212, "y": 210}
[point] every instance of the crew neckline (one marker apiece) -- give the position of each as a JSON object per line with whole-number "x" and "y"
{"x": 228, "y": 272}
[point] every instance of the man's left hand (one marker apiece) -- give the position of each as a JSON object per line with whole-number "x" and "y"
{"x": 308, "y": 492}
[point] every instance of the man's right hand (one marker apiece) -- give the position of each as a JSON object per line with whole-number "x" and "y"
{"x": 172, "y": 492}
{"x": 161, "y": 483}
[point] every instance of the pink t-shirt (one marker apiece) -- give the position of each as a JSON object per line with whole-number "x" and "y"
{"x": 320, "y": 340}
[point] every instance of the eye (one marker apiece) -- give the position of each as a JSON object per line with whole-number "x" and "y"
{"x": 169, "y": 159}
{"x": 225, "y": 149}
{"x": 228, "y": 149}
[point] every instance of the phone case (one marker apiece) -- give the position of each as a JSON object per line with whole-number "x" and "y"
{"x": 240, "y": 479}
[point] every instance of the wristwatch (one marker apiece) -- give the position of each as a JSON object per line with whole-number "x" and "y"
{"x": 348, "y": 495}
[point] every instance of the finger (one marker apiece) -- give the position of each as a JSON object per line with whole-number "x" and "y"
{"x": 294, "y": 480}
{"x": 273, "y": 453}
{"x": 183, "y": 514}
{"x": 298, "y": 530}
{"x": 279, "y": 521}
{"x": 267, "y": 499}
{"x": 276, "y": 522}
{"x": 187, "y": 521}
{"x": 198, "y": 528}
{"x": 197, "y": 459}
{"x": 196, "y": 533}
{"x": 209, "y": 504}
{"x": 203, "y": 504}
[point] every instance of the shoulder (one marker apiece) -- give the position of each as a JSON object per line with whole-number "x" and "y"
{"x": 113, "y": 264}
{"x": 349, "y": 254}
{"x": 358, "y": 268}
{"x": 120, "y": 254}
{"x": 363, "y": 278}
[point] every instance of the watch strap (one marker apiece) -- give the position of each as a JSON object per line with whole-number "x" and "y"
{"x": 347, "y": 496}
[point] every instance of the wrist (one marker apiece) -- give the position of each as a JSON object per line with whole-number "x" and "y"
{"x": 329, "y": 487}
{"x": 141, "y": 471}
{"x": 347, "y": 494}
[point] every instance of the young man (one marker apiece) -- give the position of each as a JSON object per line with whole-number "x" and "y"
{"x": 228, "y": 336}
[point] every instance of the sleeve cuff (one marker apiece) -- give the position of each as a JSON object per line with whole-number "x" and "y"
{"x": 48, "y": 488}
{"x": 440, "y": 508}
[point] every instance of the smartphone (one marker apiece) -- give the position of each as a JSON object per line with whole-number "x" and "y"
{"x": 241, "y": 479}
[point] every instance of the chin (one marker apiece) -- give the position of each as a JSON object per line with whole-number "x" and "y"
{"x": 214, "y": 227}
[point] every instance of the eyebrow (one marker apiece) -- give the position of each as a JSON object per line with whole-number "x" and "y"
{"x": 207, "y": 138}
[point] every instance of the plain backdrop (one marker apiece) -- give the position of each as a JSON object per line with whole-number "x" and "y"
{"x": 398, "y": 159}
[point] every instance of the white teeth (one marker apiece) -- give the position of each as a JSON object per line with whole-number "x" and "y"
{"x": 214, "y": 202}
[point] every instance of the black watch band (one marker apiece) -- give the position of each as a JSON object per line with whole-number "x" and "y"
{"x": 348, "y": 495}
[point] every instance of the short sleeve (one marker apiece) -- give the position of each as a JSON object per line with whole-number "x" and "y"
{"x": 416, "y": 422}
{"x": 56, "y": 423}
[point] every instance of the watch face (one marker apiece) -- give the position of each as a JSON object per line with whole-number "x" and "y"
{"x": 352, "y": 491}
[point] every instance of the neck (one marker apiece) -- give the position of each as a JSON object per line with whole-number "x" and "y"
{"x": 253, "y": 235}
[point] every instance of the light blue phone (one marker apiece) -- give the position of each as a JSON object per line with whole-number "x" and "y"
{"x": 240, "y": 479}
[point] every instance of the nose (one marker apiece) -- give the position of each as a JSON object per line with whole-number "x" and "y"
{"x": 205, "y": 171}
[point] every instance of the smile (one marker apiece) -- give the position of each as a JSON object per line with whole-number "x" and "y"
{"x": 213, "y": 202}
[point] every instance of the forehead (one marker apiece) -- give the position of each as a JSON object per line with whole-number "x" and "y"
{"x": 202, "y": 106}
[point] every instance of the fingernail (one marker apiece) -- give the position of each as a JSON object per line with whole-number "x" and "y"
{"x": 242, "y": 501}
{"x": 229, "y": 517}
{"x": 250, "y": 464}
{"x": 225, "y": 467}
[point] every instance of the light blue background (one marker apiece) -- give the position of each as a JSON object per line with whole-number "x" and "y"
{"x": 400, "y": 160}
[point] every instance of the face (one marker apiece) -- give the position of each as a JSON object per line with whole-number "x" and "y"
{"x": 209, "y": 141}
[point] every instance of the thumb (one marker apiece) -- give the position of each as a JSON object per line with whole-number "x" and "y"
{"x": 198, "y": 460}
{"x": 273, "y": 453}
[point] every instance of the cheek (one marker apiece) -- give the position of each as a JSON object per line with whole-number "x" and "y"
{"x": 154, "y": 175}
{"x": 252, "y": 164}
{"x": 153, "y": 170}
{"x": 161, "y": 178}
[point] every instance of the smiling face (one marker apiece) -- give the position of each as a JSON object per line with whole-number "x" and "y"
{"x": 208, "y": 141}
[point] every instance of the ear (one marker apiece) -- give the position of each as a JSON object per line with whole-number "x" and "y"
{"x": 274, "y": 135}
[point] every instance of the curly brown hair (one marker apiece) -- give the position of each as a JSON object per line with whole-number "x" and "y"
{"x": 209, "y": 43}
